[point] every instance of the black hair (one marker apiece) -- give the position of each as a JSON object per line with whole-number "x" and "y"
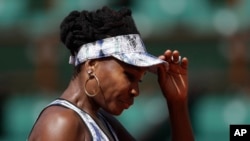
{"x": 83, "y": 27}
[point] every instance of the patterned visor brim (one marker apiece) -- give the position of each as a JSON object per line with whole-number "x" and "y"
{"x": 126, "y": 48}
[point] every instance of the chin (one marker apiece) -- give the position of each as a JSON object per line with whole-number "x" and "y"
{"x": 115, "y": 112}
{"x": 114, "y": 109}
{"x": 118, "y": 113}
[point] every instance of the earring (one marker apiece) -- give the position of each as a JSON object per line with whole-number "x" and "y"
{"x": 91, "y": 76}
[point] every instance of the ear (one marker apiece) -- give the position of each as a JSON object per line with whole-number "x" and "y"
{"x": 90, "y": 64}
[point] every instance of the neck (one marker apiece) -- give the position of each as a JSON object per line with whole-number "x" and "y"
{"x": 76, "y": 95}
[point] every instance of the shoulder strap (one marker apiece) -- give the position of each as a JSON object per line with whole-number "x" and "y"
{"x": 109, "y": 126}
{"x": 96, "y": 132}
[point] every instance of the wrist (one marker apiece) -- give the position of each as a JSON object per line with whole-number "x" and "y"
{"x": 176, "y": 100}
{"x": 177, "y": 105}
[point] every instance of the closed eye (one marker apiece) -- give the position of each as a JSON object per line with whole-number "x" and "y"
{"x": 130, "y": 76}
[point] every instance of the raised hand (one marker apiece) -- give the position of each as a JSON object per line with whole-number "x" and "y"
{"x": 174, "y": 85}
{"x": 173, "y": 80}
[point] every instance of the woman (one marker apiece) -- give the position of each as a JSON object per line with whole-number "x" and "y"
{"x": 109, "y": 61}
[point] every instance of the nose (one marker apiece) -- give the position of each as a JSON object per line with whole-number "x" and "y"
{"x": 135, "y": 90}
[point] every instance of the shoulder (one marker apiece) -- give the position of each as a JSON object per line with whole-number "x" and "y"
{"x": 58, "y": 123}
{"x": 121, "y": 132}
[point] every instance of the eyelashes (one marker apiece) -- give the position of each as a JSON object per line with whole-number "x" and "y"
{"x": 131, "y": 77}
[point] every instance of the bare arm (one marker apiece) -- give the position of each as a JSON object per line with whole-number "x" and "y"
{"x": 58, "y": 123}
{"x": 174, "y": 85}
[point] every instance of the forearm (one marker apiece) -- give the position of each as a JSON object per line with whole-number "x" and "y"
{"x": 180, "y": 123}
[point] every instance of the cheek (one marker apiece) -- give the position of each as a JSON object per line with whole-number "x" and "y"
{"x": 113, "y": 89}
{"x": 115, "y": 86}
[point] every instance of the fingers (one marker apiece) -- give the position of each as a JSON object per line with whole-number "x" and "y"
{"x": 184, "y": 62}
{"x": 176, "y": 61}
{"x": 170, "y": 56}
{"x": 175, "y": 58}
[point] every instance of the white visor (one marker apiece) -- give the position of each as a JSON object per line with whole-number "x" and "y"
{"x": 126, "y": 48}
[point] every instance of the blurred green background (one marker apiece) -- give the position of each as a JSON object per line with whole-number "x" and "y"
{"x": 213, "y": 34}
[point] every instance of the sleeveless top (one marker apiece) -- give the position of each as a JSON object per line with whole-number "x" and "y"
{"x": 95, "y": 130}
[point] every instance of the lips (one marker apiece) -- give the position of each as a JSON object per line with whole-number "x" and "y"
{"x": 127, "y": 103}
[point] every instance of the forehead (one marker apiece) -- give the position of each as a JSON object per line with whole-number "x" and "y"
{"x": 134, "y": 68}
{"x": 123, "y": 66}
{"x": 131, "y": 68}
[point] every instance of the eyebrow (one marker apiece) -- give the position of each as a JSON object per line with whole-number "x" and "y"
{"x": 135, "y": 67}
{"x": 134, "y": 70}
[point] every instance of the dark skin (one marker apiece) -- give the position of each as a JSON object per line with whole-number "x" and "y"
{"x": 117, "y": 90}
{"x": 174, "y": 86}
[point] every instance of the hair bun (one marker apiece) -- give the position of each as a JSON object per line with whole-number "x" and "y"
{"x": 79, "y": 28}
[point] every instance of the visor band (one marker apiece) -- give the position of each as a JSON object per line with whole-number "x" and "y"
{"x": 122, "y": 44}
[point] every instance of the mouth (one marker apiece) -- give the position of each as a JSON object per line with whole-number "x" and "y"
{"x": 127, "y": 103}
